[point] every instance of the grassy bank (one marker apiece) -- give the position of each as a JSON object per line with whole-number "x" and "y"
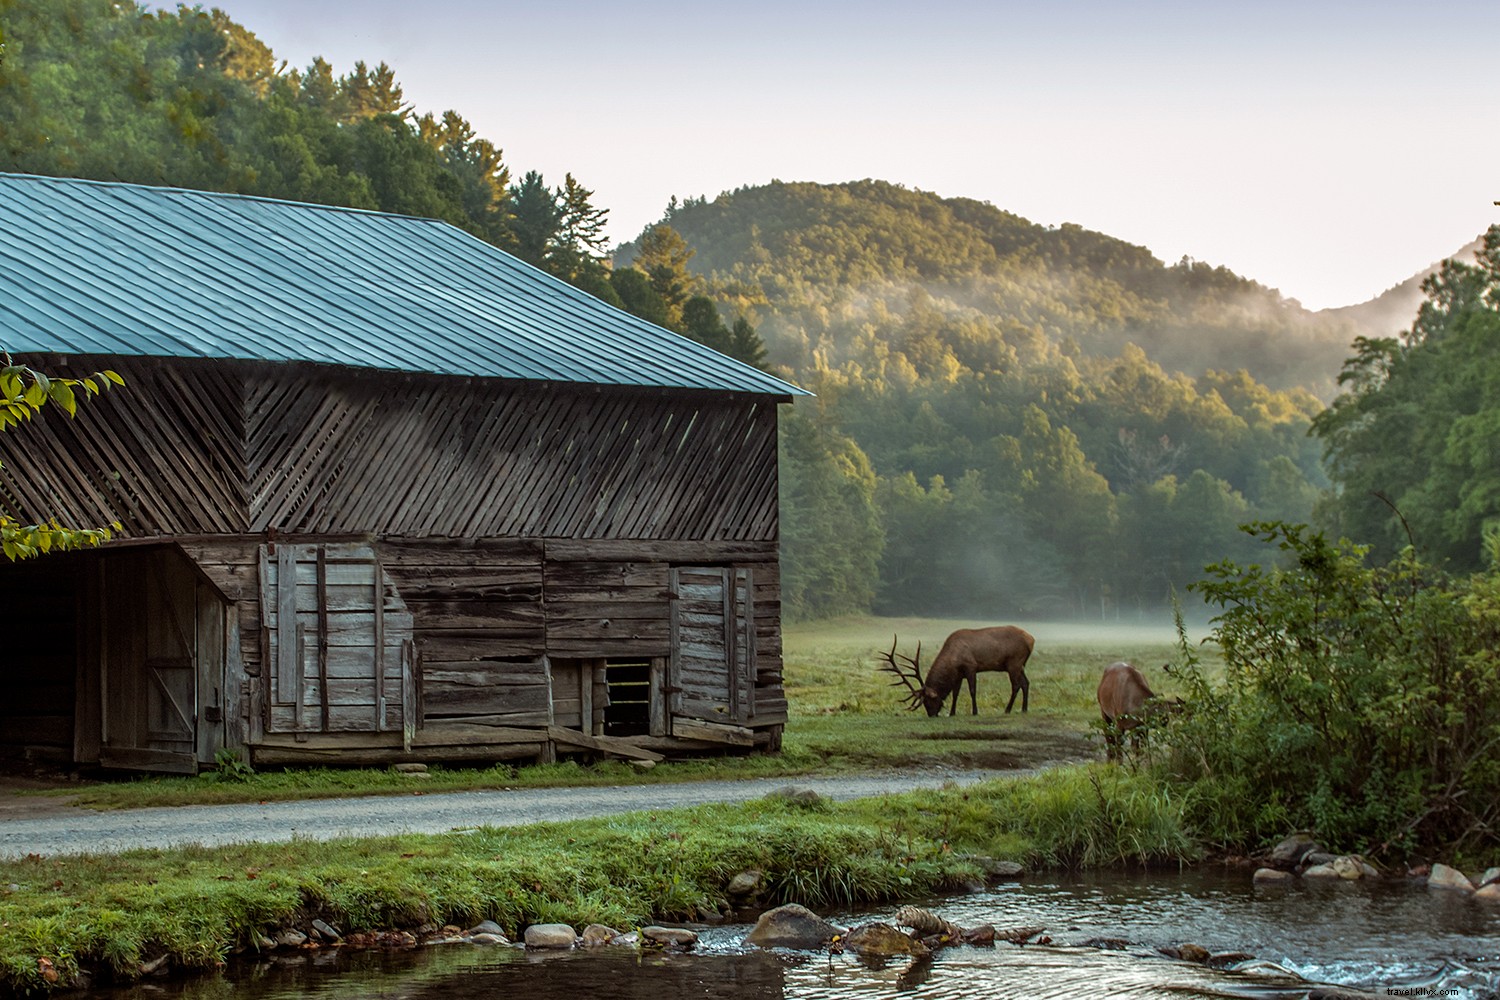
{"x": 845, "y": 717}
{"x": 199, "y": 905}
{"x": 111, "y": 913}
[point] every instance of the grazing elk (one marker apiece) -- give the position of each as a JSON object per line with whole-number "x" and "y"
{"x": 1127, "y": 702}
{"x": 965, "y": 653}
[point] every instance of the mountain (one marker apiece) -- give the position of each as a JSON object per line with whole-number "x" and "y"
{"x": 823, "y": 264}
{"x": 1392, "y": 310}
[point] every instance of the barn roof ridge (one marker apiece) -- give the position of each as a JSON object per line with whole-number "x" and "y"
{"x": 114, "y": 268}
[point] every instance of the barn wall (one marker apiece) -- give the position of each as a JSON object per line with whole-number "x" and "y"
{"x": 531, "y": 530}
{"x": 162, "y": 454}
{"x": 331, "y": 452}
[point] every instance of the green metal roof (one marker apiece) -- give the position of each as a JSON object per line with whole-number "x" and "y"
{"x": 125, "y": 270}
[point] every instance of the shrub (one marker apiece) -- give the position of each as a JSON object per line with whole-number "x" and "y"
{"x": 1360, "y": 702}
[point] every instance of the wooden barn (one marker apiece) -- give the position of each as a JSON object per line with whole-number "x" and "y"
{"x": 388, "y": 494}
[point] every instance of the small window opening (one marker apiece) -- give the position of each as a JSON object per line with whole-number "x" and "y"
{"x": 629, "y": 710}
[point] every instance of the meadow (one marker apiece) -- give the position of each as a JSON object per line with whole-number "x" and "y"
{"x": 845, "y": 716}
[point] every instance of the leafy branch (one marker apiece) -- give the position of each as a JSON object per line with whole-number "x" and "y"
{"x": 24, "y": 391}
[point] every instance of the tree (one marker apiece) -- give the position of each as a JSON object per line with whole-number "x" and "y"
{"x": 832, "y": 540}
{"x": 1414, "y": 440}
{"x": 745, "y": 344}
{"x": 663, "y": 255}
{"x": 23, "y": 393}
{"x": 637, "y": 297}
{"x": 580, "y": 230}
{"x": 535, "y": 217}
{"x": 701, "y": 321}
{"x": 369, "y": 93}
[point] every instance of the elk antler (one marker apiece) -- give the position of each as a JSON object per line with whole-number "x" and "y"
{"x": 906, "y": 676}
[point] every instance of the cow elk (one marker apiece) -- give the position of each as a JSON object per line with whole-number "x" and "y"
{"x": 965, "y": 653}
{"x": 1127, "y": 703}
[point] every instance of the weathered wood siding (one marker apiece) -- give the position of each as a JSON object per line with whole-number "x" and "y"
{"x": 163, "y": 454}
{"x": 189, "y": 448}
{"x": 526, "y": 533}
{"x": 409, "y": 456}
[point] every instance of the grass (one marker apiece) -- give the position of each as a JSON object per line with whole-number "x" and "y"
{"x": 110, "y": 913}
{"x": 197, "y": 905}
{"x": 845, "y": 718}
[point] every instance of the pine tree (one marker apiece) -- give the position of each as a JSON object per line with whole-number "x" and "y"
{"x": 701, "y": 322}
{"x": 581, "y": 228}
{"x": 535, "y": 216}
{"x": 369, "y": 93}
{"x": 663, "y": 255}
{"x": 745, "y": 344}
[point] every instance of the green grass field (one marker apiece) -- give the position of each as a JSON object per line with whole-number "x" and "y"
{"x": 844, "y": 716}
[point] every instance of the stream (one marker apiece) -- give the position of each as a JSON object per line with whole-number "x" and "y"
{"x": 1392, "y": 937}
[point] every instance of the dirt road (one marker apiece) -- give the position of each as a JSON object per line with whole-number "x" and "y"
{"x": 37, "y": 825}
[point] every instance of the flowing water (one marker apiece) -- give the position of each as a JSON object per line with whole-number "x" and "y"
{"x": 1392, "y": 937}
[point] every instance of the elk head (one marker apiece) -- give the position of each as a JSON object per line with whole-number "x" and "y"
{"x": 911, "y": 676}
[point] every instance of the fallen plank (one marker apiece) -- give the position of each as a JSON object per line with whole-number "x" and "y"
{"x": 605, "y": 744}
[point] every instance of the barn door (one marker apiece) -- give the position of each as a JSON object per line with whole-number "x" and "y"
{"x": 339, "y": 648}
{"x": 712, "y": 673}
{"x": 162, "y": 643}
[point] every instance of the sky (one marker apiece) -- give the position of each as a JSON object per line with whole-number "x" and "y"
{"x": 1326, "y": 149}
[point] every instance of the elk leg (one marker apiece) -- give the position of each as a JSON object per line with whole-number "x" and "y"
{"x": 1021, "y": 687}
{"x": 953, "y": 705}
{"x": 973, "y": 698}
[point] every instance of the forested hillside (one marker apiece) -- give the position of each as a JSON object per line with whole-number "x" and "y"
{"x": 1011, "y": 419}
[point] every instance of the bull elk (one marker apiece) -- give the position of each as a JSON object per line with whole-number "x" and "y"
{"x": 965, "y": 653}
{"x": 1127, "y": 702}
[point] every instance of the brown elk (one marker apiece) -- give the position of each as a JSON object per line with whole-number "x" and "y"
{"x": 965, "y": 653}
{"x": 1127, "y": 702}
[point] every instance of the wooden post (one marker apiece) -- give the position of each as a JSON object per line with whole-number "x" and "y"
{"x": 323, "y": 636}
{"x": 380, "y": 724}
{"x": 288, "y": 649}
{"x": 657, "y": 704}
{"x": 585, "y": 696}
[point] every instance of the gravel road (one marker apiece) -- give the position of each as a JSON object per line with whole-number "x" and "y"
{"x": 75, "y": 831}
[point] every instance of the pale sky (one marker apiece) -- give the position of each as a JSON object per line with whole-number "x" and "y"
{"x": 1326, "y": 149}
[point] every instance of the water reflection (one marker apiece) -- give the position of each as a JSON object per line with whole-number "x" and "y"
{"x": 1378, "y": 937}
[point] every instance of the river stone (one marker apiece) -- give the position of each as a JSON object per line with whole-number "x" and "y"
{"x": 487, "y": 939}
{"x": 558, "y": 937}
{"x": 796, "y": 795}
{"x": 1443, "y": 877}
{"x": 1321, "y": 871}
{"x": 630, "y": 939}
{"x": 1490, "y": 876}
{"x": 1318, "y": 858}
{"x": 326, "y": 930}
{"x": 792, "y": 926}
{"x": 745, "y": 884}
{"x": 1189, "y": 952}
{"x": 995, "y": 868}
{"x": 595, "y": 935}
{"x": 643, "y": 765}
{"x": 291, "y": 938}
{"x": 1489, "y": 893}
{"x": 1271, "y": 875}
{"x": 669, "y": 937}
{"x": 1347, "y": 867}
{"x": 410, "y": 768}
{"x": 1226, "y": 959}
{"x": 880, "y": 940}
{"x": 486, "y": 927}
{"x": 1291, "y": 850}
